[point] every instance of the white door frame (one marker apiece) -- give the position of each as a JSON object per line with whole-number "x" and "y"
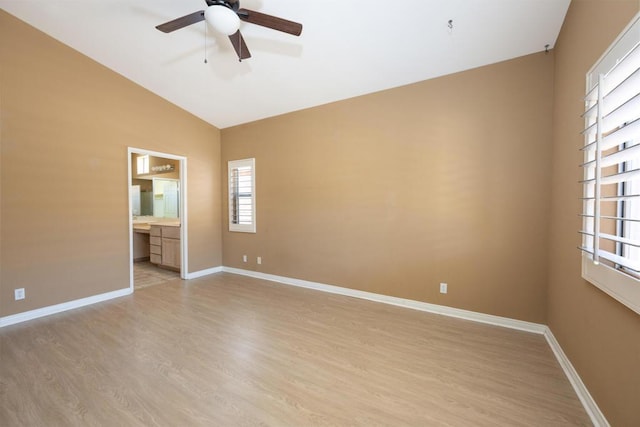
{"x": 183, "y": 208}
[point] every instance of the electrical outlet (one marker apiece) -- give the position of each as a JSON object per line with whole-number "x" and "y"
{"x": 259, "y": 260}
{"x": 443, "y": 288}
{"x": 244, "y": 258}
{"x": 19, "y": 293}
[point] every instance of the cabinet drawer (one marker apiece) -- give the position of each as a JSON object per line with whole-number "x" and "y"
{"x": 155, "y": 249}
{"x": 155, "y": 259}
{"x": 155, "y": 230}
{"x": 171, "y": 232}
{"x": 155, "y": 240}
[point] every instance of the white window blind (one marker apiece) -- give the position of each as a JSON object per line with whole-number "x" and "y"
{"x": 242, "y": 202}
{"x": 611, "y": 185}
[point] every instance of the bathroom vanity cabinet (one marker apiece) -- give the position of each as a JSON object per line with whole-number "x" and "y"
{"x": 164, "y": 246}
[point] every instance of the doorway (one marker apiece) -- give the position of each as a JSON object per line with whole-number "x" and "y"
{"x": 157, "y": 213}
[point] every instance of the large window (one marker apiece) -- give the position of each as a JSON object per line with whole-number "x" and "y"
{"x": 242, "y": 195}
{"x": 611, "y": 194}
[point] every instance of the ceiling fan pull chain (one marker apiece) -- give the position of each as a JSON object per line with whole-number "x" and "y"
{"x": 240, "y": 47}
{"x": 205, "y": 41}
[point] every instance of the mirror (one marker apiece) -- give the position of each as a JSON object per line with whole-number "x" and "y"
{"x": 166, "y": 198}
{"x": 155, "y": 186}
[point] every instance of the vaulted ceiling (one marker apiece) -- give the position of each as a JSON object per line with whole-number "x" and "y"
{"x": 347, "y": 47}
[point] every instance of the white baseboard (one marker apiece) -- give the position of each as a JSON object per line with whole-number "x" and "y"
{"x": 201, "y": 273}
{"x": 597, "y": 417}
{"x": 402, "y": 302}
{"x": 58, "y": 308}
{"x": 590, "y": 406}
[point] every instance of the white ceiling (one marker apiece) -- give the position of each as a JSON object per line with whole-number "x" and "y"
{"x": 347, "y": 47}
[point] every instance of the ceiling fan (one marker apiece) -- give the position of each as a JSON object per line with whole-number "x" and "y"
{"x": 225, "y": 15}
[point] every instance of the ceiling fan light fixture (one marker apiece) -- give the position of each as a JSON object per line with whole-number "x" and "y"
{"x": 222, "y": 19}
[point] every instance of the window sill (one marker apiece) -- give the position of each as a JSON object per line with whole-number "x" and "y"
{"x": 618, "y": 285}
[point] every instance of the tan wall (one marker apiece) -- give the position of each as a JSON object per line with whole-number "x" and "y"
{"x": 599, "y": 335}
{"x": 394, "y": 192}
{"x": 66, "y": 125}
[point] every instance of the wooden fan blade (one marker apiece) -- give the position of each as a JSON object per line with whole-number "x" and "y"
{"x": 182, "y": 22}
{"x": 239, "y": 45}
{"x": 269, "y": 21}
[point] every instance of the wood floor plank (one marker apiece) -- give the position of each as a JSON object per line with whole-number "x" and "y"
{"x": 227, "y": 350}
{"x": 146, "y": 274}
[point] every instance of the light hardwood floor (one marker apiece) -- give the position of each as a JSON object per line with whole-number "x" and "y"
{"x": 227, "y": 350}
{"x": 146, "y": 274}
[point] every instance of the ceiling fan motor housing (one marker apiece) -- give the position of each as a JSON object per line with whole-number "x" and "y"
{"x": 233, "y": 5}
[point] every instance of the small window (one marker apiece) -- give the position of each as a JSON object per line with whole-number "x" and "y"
{"x": 242, "y": 196}
{"x": 611, "y": 184}
{"x": 142, "y": 165}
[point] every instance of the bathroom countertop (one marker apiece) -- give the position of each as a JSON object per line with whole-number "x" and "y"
{"x": 143, "y": 224}
{"x": 141, "y": 228}
{"x": 167, "y": 223}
